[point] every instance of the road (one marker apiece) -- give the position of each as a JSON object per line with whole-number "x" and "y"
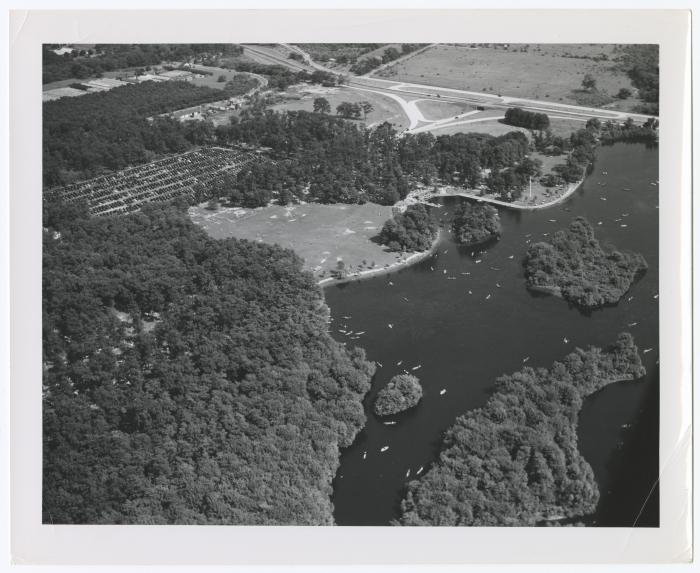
{"x": 405, "y": 94}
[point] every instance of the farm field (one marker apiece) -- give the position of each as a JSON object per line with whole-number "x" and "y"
{"x": 385, "y": 109}
{"x": 321, "y": 234}
{"x": 534, "y": 71}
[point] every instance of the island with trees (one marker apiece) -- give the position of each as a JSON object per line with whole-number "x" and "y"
{"x": 413, "y": 230}
{"x": 187, "y": 380}
{"x": 475, "y": 223}
{"x": 574, "y": 266}
{"x": 403, "y": 392}
{"x": 515, "y": 461}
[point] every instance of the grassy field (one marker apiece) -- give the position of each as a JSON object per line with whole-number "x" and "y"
{"x": 321, "y": 234}
{"x": 385, "y": 109}
{"x": 441, "y": 110}
{"x": 536, "y": 71}
{"x": 560, "y": 127}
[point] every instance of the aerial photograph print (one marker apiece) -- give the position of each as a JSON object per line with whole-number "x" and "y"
{"x": 353, "y": 284}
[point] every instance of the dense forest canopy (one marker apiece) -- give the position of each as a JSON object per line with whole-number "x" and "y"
{"x": 529, "y": 119}
{"x": 187, "y": 380}
{"x": 413, "y": 230}
{"x": 572, "y": 264}
{"x": 641, "y": 63}
{"x": 110, "y": 130}
{"x": 515, "y": 462}
{"x": 475, "y": 223}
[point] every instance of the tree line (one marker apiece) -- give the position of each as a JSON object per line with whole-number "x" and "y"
{"x": 187, "y": 380}
{"x": 529, "y": 119}
{"x": 102, "y": 58}
{"x": 413, "y": 230}
{"x": 365, "y": 65}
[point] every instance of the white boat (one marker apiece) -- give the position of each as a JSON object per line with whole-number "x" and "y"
{"x": 364, "y": 455}
{"x": 631, "y": 324}
{"x": 526, "y": 359}
{"x": 360, "y": 333}
{"x": 603, "y": 199}
{"x": 443, "y": 392}
{"x": 512, "y": 257}
{"x": 417, "y": 367}
{"x": 389, "y": 423}
{"x": 498, "y": 285}
{"x": 380, "y": 364}
{"x": 566, "y": 340}
{"x": 630, "y": 298}
{"x": 477, "y": 261}
{"x": 390, "y": 325}
{"x": 399, "y": 363}
{"x": 470, "y": 292}
{"x": 451, "y": 278}
{"x": 408, "y": 472}
{"x": 384, "y": 449}
{"x": 391, "y": 284}
{"x": 647, "y": 350}
{"x": 552, "y": 220}
{"x": 656, "y": 296}
{"x": 420, "y": 469}
{"x": 623, "y": 226}
{"x": 600, "y": 222}
{"x": 488, "y": 296}
{"x": 444, "y": 271}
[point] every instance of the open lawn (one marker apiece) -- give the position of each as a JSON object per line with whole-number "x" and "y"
{"x": 536, "y": 71}
{"x": 560, "y": 127}
{"x": 321, "y": 234}
{"x": 385, "y": 109}
{"x": 441, "y": 110}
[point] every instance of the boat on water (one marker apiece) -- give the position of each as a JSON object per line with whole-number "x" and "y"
{"x": 399, "y": 363}
{"x": 566, "y": 340}
{"x": 443, "y": 392}
{"x": 470, "y": 292}
{"x": 631, "y": 324}
{"x": 647, "y": 350}
{"x": 420, "y": 469}
{"x": 526, "y": 359}
{"x": 390, "y": 325}
{"x": 380, "y": 364}
{"x": 488, "y": 296}
{"x": 389, "y": 423}
{"x": 656, "y": 296}
{"x": 477, "y": 261}
{"x": 384, "y": 449}
{"x": 408, "y": 472}
{"x": 511, "y": 257}
{"x": 417, "y": 367}
{"x": 364, "y": 455}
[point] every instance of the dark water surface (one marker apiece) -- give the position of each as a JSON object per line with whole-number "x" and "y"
{"x": 463, "y": 342}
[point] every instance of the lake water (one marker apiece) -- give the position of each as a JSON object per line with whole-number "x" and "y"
{"x": 462, "y": 342}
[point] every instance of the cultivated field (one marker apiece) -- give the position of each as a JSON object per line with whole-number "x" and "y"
{"x": 536, "y": 71}
{"x": 321, "y": 234}
{"x": 385, "y": 109}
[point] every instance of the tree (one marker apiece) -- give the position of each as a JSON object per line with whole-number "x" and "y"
{"x": 624, "y": 93}
{"x": 221, "y": 79}
{"x": 366, "y": 108}
{"x": 588, "y": 83}
{"x": 321, "y": 105}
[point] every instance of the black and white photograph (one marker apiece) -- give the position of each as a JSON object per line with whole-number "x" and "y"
{"x": 386, "y": 284}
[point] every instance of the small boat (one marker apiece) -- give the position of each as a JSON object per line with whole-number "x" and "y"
{"x": 380, "y": 364}
{"x": 390, "y": 325}
{"x": 656, "y": 296}
{"x": 477, "y": 261}
{"x": 498, "y": 285}
{"x": 552, "y": 220}
{"x": 444, "y": 271}
{"x": 360, "y": 333}
{"x": 488, "y": 296}
{"x": 420, "y": 470}
{"x": 626, "y": 426}
{"x": 512, "y": 257}
{"x": 600, "y": 222}
{"x": 399, "y": 363}
{"x": 603, "y": 199}
{"x": 347, "y": 317}
{"x": 625, "y": 214}
{"x": 417, "y": 367}
{"x": 631, "y": 324}
{"x": 470, "y": 292}
{"x": 526, "y": 359}
{"x": 403, "y": 297}
{"x": 566, "y": 340}
{"x": 446, "y": 251}
{"x": 647, "y": 350}
{"x": 443, "y": 392}
{"x": 364, "y": 455}
{"x": 391, "y": 284}
{"x": 464, "y": 273}
{"x": 623, "y": 226}
{"x": 451, "y": 278}
{"x": 432, "y": 269}
{"x": 389, "y": 423}
{"x": 408, "y": 472}
{"x": 630, "y": 298}
{"x": 384, "y": 449}
{"x": 652, "y": 183}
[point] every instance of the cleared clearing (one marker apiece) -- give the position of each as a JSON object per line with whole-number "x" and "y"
{"x": 385, "y": 109}
{"x": 434, "y": 110}
{"x": 536, "y": 71}
{"x": 321, "y": 234}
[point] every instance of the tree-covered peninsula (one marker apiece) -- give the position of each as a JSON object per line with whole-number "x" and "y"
{"x": 574, "y": 266}
{"x": 403, "y": 392}
{"x": 475, "y": 223}
{"x": 413, "y": 230}
{"x": 187, "y": 380}
{"x": 515, "y": 462}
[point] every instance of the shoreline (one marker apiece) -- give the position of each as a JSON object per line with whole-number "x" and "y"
{"x": 412, "y": 259}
